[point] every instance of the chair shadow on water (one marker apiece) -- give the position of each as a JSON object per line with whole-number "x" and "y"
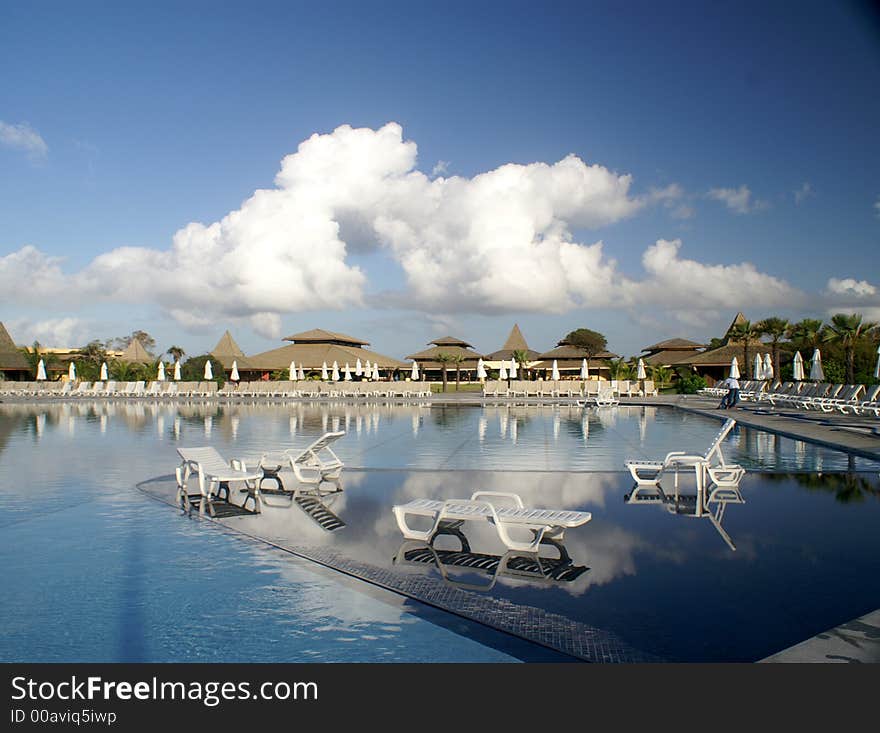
{"x": 517, "y": 564}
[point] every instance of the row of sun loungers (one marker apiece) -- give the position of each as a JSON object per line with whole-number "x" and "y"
{"x": 317, "y": 390}
{"x": 825, "y": 396}
{"x": 591, "y": 389}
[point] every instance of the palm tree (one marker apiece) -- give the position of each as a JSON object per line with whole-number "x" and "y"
{"x": 619, "y": 368}
{"x": 521, "y": 357}
{"x": 444, "y": 359}
{"x": 33, "y": 356}
{"x": 745, "y": 332}
{"x": 806, "y": 334}
{"x": 848, "y": 330}
{"x": 776, "y": 328}
{"x": 457, "y": 359}
{"x": 176, "y": 353}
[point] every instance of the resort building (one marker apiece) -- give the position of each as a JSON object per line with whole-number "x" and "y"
{"x": 464, "y": 359}
{"x": 671, "y": 352}
{"x": 714, "y": 365}
{"x": 313, "y": 349}
{"x": 13, "y": 364}
{"x": 227, "y": 352}
{"x": 515, "y": 342}
{"x": 569, "y": 360}
{"x": 135, "y": 353}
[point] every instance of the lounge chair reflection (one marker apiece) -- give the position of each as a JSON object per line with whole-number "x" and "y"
{"x": 513, "y": 564}
{"x": 704, "y": 504}
{"x": 215, "y": 474}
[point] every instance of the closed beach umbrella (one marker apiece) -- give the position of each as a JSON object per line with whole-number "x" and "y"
{"x": 513, "y": 368}
{"x": 734, "y": 369}
{"x": 291, "y": 372}
{"x": 640, "y": 374}
{"x": 347, "y": 375}
{"x": 481, "y": 369}
{"x": 758, "y": 367}
{"x": 177, "y": 370}
{"x": 585, "y": 370}
{"x": 41, "y": 371}
{"x": 376, "y": 372}
{"x": 414, "y": 374}
{"x": 554, "y": 374}
{"x": 358, "y": 368}
{"x": 502, "y": 371}
{"x": 797, "y": 367}
{"x": 324, "y": 375}
{"x": 335, "y": 372}
{"x": 768, "y": 367}
{"x": 71, "y": 371}
{"x": 877, "y": 368}
{"x": 816, "y": 373}
{"x": 209, "y": 373}
{"x": 368, "y": 370}
{"x": 160, "y": 373}
{"x": 234, "y": 375}
{"x": 302, "y": 374}
{"x": 103, "y": 372}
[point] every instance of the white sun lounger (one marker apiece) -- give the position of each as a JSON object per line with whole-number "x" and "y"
{"x": 648, "y": 473}
{"x": 314, "y": 465}
{"x": 544, "y": 523}
{"x": 214, "y": 474}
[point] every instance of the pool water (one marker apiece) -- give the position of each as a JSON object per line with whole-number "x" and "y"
{"x": 96, "y": 570}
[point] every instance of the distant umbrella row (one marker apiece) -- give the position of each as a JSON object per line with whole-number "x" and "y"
{"x": 763, "y": 368}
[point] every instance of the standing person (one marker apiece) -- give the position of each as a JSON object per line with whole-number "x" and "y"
{"x": 725, "y": 399}
{"x": 732, "y": 392}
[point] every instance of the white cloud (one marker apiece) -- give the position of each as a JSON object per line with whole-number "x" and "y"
{"x": 848, "y": 295}
{"x": 23, "y": 137}
{"x": 498, "y": 242}
{"x": 804, "y": 192}
{"x": 850, "y": 287}
{"x": 53, "y": 332}
{"x": 691, "y": 287}
{"x": 738, "y": 200}
{"x": 877, "y": 206}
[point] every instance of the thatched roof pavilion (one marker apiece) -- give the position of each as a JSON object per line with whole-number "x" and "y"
{"x": 427, "y": 359}
{"x": 135, "y": 353}
{"x": 515, "y": 342}
{"x": 13, "y": 363}
{"x": 671, "y": 351}
{"x": 311, "y": 349}
{"x": 227, "y": 351}
{"x": 713, "y": 365}
{"x": 569, "y": 358}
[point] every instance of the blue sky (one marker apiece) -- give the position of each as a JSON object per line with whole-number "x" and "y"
{"x": 743, "y": 133}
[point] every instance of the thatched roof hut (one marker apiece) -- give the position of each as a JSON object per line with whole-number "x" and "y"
{"x": 671, "y": 351}
{"x": 227, "y": 351}
{"x": 312, "y": 349}
{"x": 569, "y": 358}
{"x": 135, "y": 353}
{"x": 515, "y": 342}
{"x": 13, "y": 363}
{"x": 427, "y": 359}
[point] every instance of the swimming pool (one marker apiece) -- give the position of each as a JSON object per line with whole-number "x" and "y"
{"x": 111, "y": 575}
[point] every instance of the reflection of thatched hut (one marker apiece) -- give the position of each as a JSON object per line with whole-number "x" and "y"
{"x": 227, "y": 351}
{"x": 515, "y": 342}
{"x": 570, "y": 358}
{"x": 13, "y": 364}
{"x": 430, "y": 367}
{"x": 312, "y": 349}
